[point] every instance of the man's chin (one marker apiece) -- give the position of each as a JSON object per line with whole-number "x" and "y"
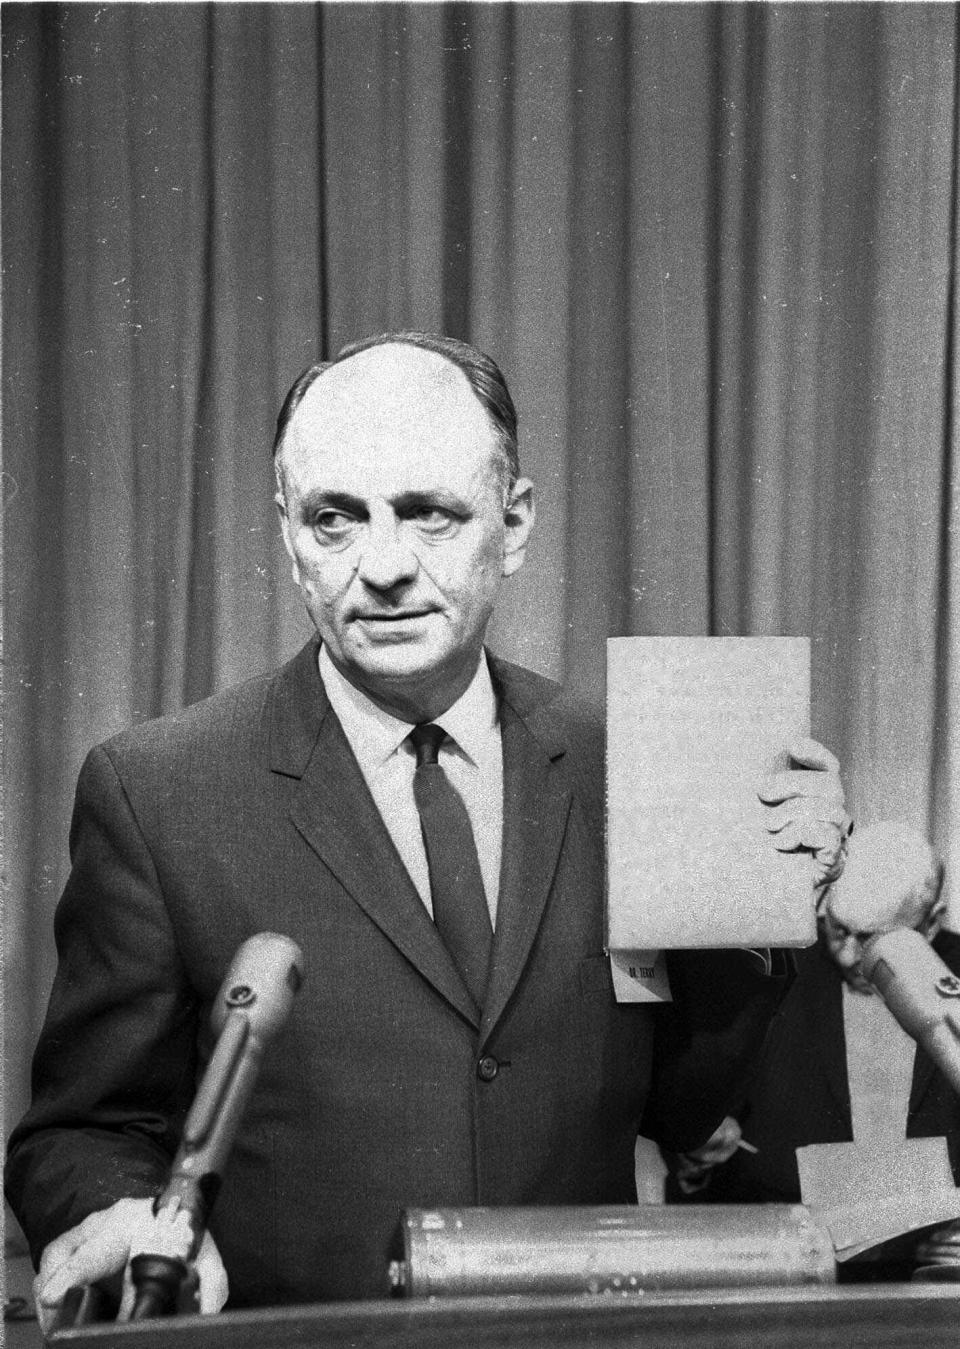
{"x": 857, "y": 981}
{"x": 395, "y": 663}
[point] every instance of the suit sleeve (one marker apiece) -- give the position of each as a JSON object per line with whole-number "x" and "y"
{"x": 708, "y": 1041}
{"x": 115, "y": 1065}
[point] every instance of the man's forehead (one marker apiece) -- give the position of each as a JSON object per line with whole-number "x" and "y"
{"x": 390, "y": 420}
{"x": 391, "y": 385}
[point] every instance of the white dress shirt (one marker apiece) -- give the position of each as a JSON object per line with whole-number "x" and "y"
{"x": 880, "y": 1058}
{"x": 472, "y": 758}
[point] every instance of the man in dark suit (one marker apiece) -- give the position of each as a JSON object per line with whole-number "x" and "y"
{"x": 421, "y": 1067}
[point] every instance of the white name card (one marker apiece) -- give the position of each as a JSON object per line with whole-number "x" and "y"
{"x": 693, "y": 725}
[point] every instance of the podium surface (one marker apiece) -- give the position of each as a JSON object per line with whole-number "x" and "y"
{"x": 874, "y": 1316}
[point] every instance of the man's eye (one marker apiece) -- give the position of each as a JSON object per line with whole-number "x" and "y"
{"x": 333, "y": 524}
{"x": 433, "y": 519}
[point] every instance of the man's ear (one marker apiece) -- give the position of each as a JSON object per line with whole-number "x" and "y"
{"x": 519, "y": 514}
{"x": 935, "y": 915}
{"x": 933, "y": 922}
{"x": 285, "y": 530}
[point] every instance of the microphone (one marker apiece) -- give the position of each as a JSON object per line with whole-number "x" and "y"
{"x": 251, "y": 1006}
{"x": 922, "y": 993}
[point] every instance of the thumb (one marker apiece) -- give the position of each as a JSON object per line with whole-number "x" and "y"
{"x": 810, "y": 753}
{"x": 214, "y": 1287}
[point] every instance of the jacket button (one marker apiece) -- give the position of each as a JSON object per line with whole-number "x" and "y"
{"x": 487, "y": 1068}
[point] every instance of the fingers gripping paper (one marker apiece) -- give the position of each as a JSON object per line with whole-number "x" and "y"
{"x": 693, "y": 724}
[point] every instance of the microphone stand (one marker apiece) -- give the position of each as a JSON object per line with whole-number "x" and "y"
{"x": 182, "y": 1209}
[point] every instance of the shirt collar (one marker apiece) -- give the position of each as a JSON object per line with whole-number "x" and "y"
{"x": 472, "y": 720}
{"x": 375, "y": 735}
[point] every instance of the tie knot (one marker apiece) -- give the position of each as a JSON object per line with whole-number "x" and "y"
{"x": 426, "y": 740}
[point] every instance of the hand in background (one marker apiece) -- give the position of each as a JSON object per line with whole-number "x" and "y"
{"x": 805, "y": 808}
{"x": 100, "y": 1247}
{"x": 692, "y": 1169}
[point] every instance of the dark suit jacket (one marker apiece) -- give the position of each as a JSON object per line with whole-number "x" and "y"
{"x": 800, "y": 1094}
{"x": 248, "y": 812}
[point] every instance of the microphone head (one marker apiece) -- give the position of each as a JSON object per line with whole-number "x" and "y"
{"x": 261, "y": 983}
{"x": 922, "y": 993}
{"x": 917, "y": 985}
{"x": 890, "y": 957}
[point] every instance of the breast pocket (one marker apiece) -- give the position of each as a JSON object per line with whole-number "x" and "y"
{"x": 596, "y": 978}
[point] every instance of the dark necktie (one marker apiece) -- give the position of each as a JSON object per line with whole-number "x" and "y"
{"x": 456, "y": 883}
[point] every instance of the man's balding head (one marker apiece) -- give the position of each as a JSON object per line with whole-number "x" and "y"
{"x": 891, "y": 880}
{"x": 480, "y": 371}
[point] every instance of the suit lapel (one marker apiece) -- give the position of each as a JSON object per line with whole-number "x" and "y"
{"x": 922, "y": 1077}
{"x": 826, "y": 999}
{"x": 536, "y": 804}
{"x": 336, "y": 815}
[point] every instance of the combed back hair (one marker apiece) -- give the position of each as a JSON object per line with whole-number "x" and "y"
{"x": 483, "y": 375}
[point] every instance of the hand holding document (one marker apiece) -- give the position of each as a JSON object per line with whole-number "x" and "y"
{"x": 806, "y": 808}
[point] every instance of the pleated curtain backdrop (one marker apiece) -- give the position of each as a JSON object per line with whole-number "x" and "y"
{"x": 714, "y": 249}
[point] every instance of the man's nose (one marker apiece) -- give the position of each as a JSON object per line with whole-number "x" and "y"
{"x": 848, "y": 953}
{"x": 386, "y": 558}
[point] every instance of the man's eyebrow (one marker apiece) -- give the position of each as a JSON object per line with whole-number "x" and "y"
{"x": 325, "y": 499}
{"x": 435, "y": 496}
{"x": 842, "y": 930}
{"x": 321, "y": 500}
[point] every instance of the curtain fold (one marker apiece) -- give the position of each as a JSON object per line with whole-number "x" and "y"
{"x": 713, "y": 247}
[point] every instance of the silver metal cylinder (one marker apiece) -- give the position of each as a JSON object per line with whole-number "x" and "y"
{"x": 616, "y": 1249}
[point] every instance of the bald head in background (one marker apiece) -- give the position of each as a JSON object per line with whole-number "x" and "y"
{"x": 892, "y": 880}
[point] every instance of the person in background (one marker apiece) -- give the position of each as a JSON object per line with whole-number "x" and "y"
{"x": 831, "y": 1030}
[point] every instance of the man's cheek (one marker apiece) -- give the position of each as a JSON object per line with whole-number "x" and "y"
{"x": 327, "y": 577}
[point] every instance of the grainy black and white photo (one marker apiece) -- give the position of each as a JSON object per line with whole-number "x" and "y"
{"x": 481, "y": 672}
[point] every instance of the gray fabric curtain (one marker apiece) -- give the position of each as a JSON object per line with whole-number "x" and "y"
{"x": 713, "y": 247}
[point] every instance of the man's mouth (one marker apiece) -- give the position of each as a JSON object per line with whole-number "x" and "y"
{"x": 857, "y": 979}
{"x": 397, "y": 617}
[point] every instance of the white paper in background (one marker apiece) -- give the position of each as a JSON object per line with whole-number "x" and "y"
{"x": 866, "y": 1193}
{"x": 640, "y": 976}
{"x": 693, "y": 724}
